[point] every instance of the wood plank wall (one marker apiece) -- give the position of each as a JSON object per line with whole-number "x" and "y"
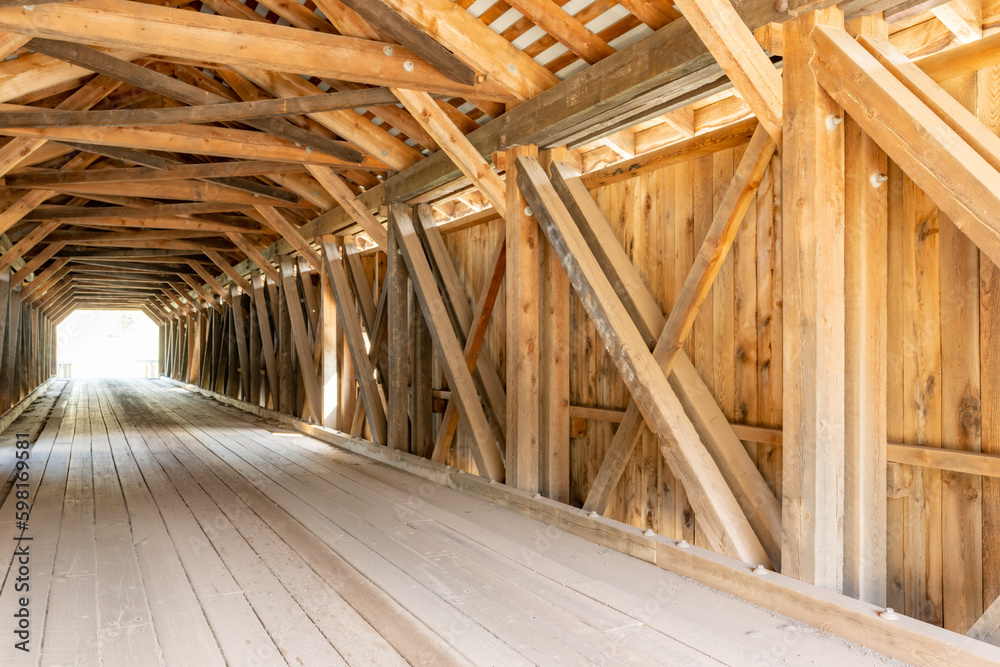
{"x": 27, "y": 346}
{"x": 941, "y": 365}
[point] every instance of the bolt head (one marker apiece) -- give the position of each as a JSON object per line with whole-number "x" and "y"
{"x": 408, "y": 65}
{"x": 387, "y": 50}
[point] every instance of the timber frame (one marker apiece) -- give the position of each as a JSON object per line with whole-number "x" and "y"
{"x": 706, "y": 272}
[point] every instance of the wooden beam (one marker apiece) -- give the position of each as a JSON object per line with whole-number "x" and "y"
{"x": 454, "y": 143}
{"x": 488, "y": 52}
{"x": 255, "y": 257}
{"x": 404, "y": 32}
{"x": 212, "y": 38}
{"x": 725, "y": 525}
{"x": 813, "y": 327}
{"x": 554, "y": 362}
{"x": 142, "y": 77}
{"x": 35, "y": 262}
{"x": 27, "y": 243}
{"x": 564, "y": 28}
{"x": 350, "y": 319}
{"x": 158, "y": 162}
{"x": 987, "y": 628}
{"x": 485, "y": 451}
{"x": 964, "y": 18}
{"x": 335, "y": 185}
{"x": 956, "y": 116}
{"x": 216, "y": 112}
{"x": 278, "y": 223}
{"x": 472, "y": 327}
{"x": 195, "y": 139}
{"x": 51, "y": 177}
{"x": 729, "y": 136}
{"x": 522, "y": 332}
{"x": 209, "y": 279}
{"x": 743, "y": 60}
{"x": 865, "y": 377}
{"x": 398, "y": 371}
{"x": 963, "y": 184}
{"x": 227, "y": 268}
{"x": 330, "y": 334}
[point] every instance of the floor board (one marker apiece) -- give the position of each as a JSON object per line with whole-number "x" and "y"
{"x": 170, "y": 529}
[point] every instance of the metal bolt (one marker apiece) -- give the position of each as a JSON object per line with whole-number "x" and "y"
{"x": 29, "y": 8}
{"x": 316, "y": 194}
{"x": 387, "y": 50}
{"x": 408, "y": 65}
{"x": 512, "y": 68}
{"x": 888, "y": 614}
{"x": 683, "y": 544}
{"x": 527, "y": 211}
{"x": 537, "y": 496}
{"x": 309, "y": 149}
{"x": 760, "y": 569}
{"x": 592, "y": 514}
{"x": 385, "y": 153}
{"x": 781, "y": 6}
{"x": 878, "y": 179}
{"x": 649, "y": 532}
{"x": 832, "y": 121}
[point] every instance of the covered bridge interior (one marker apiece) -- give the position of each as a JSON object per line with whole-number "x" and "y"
{"x": 543, "y": 327}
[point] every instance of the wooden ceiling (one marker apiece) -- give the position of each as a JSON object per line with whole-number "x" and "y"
{"x": 164, "y": 143}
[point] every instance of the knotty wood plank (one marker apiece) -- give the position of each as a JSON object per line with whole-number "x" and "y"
{"x": 813, "y": 341}
{"x": 961, "y": 504}
{"x": 865, "y": 239}
{"x": 989, "y": 331}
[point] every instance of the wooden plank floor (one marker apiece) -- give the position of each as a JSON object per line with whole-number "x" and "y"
{"x": 170, "y": 529}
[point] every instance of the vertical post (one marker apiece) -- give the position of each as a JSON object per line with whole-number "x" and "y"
{"x": 865, "y": 355}
{"x": 330, "y": 328}
{"x": 399, "y": 349}
{"x": 256, "y": 361}
{"x": 286, "y": 371}
{"x": 5, "y": 294}
{"x": 553, "y": 360}
{"x": 522, "y": 333}
{"x": 8, "y": 385}
{"x": 421, "y": 401}
{"x": 192, "y": 348}
{"x": 813, "y": 268}
{"x": 239, "y": 329}
{"x": 989, "y": 334}
{"x": 161, "y": 350}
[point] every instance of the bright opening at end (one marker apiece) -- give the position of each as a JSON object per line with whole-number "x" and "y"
{"x": 107, "y": 344}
